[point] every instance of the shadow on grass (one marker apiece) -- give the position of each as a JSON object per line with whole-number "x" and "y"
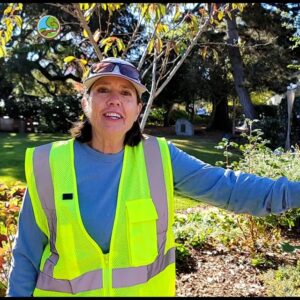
{"x": 12, "y": 152}
{"x": 14, "y": 145}
{"x": 201, "y": 148}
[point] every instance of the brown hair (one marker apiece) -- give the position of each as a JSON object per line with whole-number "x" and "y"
{"x": 82, "y": 131}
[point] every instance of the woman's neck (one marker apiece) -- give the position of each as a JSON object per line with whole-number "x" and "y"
{"x": 108, "y": 146}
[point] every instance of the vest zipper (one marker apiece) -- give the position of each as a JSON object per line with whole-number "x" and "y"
{"x": 107, "y": 276}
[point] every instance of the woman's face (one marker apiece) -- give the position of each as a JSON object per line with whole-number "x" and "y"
{"x": 112, "y": 107}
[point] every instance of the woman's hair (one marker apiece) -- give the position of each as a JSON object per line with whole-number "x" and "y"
{"x": 82, "y": 131}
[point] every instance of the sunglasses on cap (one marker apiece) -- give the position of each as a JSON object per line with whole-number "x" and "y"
{"x": 125, "y": 70}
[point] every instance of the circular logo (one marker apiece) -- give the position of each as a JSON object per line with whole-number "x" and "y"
{"x": 48, "y": 27}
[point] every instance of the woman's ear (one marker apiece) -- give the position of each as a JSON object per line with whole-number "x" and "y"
{"x": 84, "y": 104}
{"x": 140, "y": 106}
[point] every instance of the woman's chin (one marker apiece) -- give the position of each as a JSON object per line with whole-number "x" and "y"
{"x": 113, "y": 130}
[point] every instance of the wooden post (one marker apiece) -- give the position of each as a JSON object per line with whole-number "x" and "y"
{"x": 290, "y": 94}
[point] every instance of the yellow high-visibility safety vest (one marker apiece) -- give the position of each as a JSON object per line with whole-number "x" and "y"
{"x": 141, "y": 259}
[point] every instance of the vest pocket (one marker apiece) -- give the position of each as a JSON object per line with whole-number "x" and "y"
{"x": 141, "y": 231}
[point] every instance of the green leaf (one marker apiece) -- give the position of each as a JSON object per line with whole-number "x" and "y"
{"x": 115, "y": 52}
{"x": 85, "y": 74}
{"x": 216, "y": 54}
{"x": 241, "y": 6}
{"x": 162, "y": 28}
{"x": 84, "y": 6}
{"x": 162, "y": 9}
{"x": 97, "y": 35}
{"x": 194, "y": 20}
{"x": 158, "y": 45}
{"x": 151, "y": 45}
{"x": 18, "y": 21}
{"x": 120, "y": 44}
{"x": 85, "y": 34}
{"x": 83, "y": 61}
{"x": 204, "y": 52}
{"x": 87, "y": 18}
{"x": 20, "y": 6}
{"x": 177, "y": 14}
{"x": 286, "y": 247}
{"x": 220, "y": 15}
{"x": 3, "y": 43}
{"x": 106, "y": 48}
{"x": 2, "y": 52}
{"x": 144, "y": 8}
{"x": 69, "y": 59}
{"x": 9, "y": 25}
{"x": 105, "y": 42}
{"x": 8, "y": 10}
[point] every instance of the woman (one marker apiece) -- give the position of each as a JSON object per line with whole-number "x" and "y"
{"x": 98, "y": 212}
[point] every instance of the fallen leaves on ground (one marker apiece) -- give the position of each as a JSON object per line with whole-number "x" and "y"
{"x": 226, "y": 273}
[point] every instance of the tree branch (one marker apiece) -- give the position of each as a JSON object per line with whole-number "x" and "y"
{"x": 133, "y": 35}
{"x": 88, "y": 30}
{"x": 152, "y": 92}
{"x": 145, "y": 52}
{"x": 187, "y": 52}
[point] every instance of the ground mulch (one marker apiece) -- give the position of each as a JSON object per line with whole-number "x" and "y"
{"x": 218, "y": 272}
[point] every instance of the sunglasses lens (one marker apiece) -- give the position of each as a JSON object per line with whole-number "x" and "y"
{"x": 129, "y": 71}
{"x": 103, "y": 67}
{"x": 126, "y": 70}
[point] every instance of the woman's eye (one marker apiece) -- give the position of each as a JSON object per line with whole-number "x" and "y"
{"x": 126, "y": 93}
{"x": 102, "y": 90}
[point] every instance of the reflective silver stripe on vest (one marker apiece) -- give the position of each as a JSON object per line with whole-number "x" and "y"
{"x": 86, "y": 282}
{"x": 158, "y": 191}
{"x": 136, "y": 275}
{"x": 44, "y": 187}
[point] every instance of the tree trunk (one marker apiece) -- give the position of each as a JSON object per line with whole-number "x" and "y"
{"x": 169, "y": 107}
{"x": 237, "y": 68}
{"x": 219, "y": 117}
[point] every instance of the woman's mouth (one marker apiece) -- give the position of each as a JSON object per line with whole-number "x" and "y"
{"x": 113, "y": 115}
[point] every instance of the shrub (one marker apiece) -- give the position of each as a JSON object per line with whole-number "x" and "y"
{"x": 177, "y": 114}
{"x": 282, "y": 282}
{"x": 218, "y": 226}
{"x": 257, "y": 158}
{"x": 10, "y": 201}
{"x": 156, "y": 116}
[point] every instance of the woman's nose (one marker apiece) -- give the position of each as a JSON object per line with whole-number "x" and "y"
{"x": 114, "y": 99}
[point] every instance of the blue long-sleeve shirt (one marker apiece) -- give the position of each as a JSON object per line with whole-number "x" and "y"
{"x": 98, "y": 177}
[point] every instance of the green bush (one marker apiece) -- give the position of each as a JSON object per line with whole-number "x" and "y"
{"x": 156, "y": 116}
{"x": 257, "y": 158}
{"x": 282, "y": 282}
{"x": 177, "y": 114}
{"x": 217, "y": 226}
{"x": 10, "y": 202}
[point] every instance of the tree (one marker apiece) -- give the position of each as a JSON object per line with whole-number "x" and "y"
{"x": 237, "y": 66}
{"x": 171, "y": 32}
{"x": 39, "y": 87}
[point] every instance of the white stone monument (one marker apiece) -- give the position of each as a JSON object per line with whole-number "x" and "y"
{"x": 184, "y": 127}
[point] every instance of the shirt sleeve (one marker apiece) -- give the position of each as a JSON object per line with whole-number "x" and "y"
{"x": 232, "y": 190}
{"x": 27, "y": 251}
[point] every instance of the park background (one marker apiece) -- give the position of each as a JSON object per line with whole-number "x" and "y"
{"x": 229, "y": 72}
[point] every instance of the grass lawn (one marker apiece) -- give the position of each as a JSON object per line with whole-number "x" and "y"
{"x": 12, "y": 153}
{"x": 13, "y": 147}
